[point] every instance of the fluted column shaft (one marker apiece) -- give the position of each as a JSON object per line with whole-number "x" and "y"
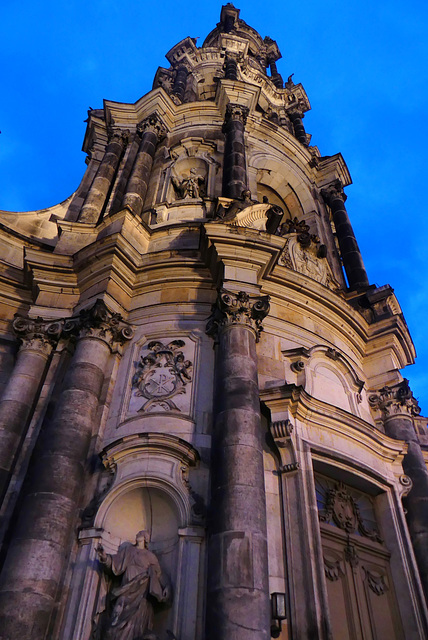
{"x": 100, "y": 188}
{"x": 235, "y": 165}
{"x": 351, "y": 255}
{"x": 238, "y": 591}
{"x": 37, "y": 339}
{"x": 150, "y": 130}
{"x": 42, "y": 535}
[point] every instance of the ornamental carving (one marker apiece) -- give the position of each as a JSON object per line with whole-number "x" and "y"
{"x": 333, "y": 191}
{"x": 162, "y": 374}
{"x": 342, "y": 507}
{"x": 333, "y": 569}
{"x": 100, "y": 323}
{"x": 233, "y": 308}
{"x": 308, "y": 259}
{"x": 397, "y": 399}
{"x": 121, "y": 136}
{"x": 36, "y": 333}
{"x": 376, "y": 582}
{"x": 153, "y": 124}
{"x": 235, "y": 112}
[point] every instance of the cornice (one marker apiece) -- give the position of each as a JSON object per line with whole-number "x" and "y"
{"x": 297, "y": 403}
{"x": 161, "y": 443}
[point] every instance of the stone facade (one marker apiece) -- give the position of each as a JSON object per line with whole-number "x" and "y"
{"x": 191, "y": 351}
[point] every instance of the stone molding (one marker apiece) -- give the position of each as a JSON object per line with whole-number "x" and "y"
{"x": 241, "y": 309}
{"x": 37, "y": 334}
{"x": 99, "y": 323}
{"x": 395, "y": 400}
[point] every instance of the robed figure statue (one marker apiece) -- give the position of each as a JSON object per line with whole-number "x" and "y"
{"x": 131, "y": 608}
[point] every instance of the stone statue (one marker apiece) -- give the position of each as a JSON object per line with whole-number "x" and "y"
{"x": 191, "y": 187}
{"x": 131, "y": 615}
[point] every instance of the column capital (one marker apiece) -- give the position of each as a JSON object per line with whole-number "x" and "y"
{"x": 332, "y": 191}
{"x": 236, "y": 112}
{"x": 99, "y": 323}
{"x": 37, "y": 334}
{"x": 153, "y": 124}
{"x": 118, "y": 135}
{"x": 241, "y": 309}
{"x": 394, "y": 401}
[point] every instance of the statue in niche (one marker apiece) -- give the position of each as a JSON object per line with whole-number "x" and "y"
{"x": 128, "y": 607}
{"x": 191, "y": 187}
{"x": 162, "y": 374}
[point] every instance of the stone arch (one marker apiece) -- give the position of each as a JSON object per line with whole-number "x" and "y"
{"x": 332, "y": 378}
{"x": 151, "y": 490}
{"x": 271, "y": 173}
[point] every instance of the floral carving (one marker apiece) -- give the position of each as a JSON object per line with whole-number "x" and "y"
{"x": 233, "y": 308}
{"x": 100, "y": 323}
{"x": 395, "y": 400}
{"x": 36, "y": 333}
{"x": 161, "y": 374}
{"x": 153, "y": 124}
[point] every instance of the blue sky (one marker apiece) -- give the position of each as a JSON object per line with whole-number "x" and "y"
{"x": 364, "y": 66}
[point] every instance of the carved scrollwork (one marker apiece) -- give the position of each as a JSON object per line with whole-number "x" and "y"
{"x": 161, "y": 374}
{"x": 233, "y": 308}
{"x": 390, "y": 401}
{"x": 36, "y": 333}
{"x": 100, "y": 323}
{"x": 154, "y": 124}
{"x": 334, "y": 190}
{"x": 235, "y": 112}
{"x": 341, "y": 509}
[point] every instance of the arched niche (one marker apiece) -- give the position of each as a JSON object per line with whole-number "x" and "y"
{"x": 151, "y": 491}
{"x": 149, "y": 508}
{"x": 153, "y": 509}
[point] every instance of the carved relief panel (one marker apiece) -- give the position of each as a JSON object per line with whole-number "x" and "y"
{"x": 162, "y": 376}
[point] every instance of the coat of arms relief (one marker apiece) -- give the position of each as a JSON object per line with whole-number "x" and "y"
{"x": 162, "y": 378}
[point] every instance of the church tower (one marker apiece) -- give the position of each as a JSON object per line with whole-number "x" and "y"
{"x": 204, "y": 430}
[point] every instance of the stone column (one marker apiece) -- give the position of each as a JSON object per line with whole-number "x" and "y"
{"x": 276, "y": 77}
{"x": 42, "y": 535}
{"x": 231, "y": 67}
{"x": 37, "y": 338}
{"x": 234, "y": 166}
{"x": 296, "y": 118}
{"x": 151, "y": 130}
{"x": 180, "y": 81}
{"x": 238, "y": 605}
{"x": 397, "y": 406}
{"x": 100, "y": 188}
{"x": 351, "y": 256}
